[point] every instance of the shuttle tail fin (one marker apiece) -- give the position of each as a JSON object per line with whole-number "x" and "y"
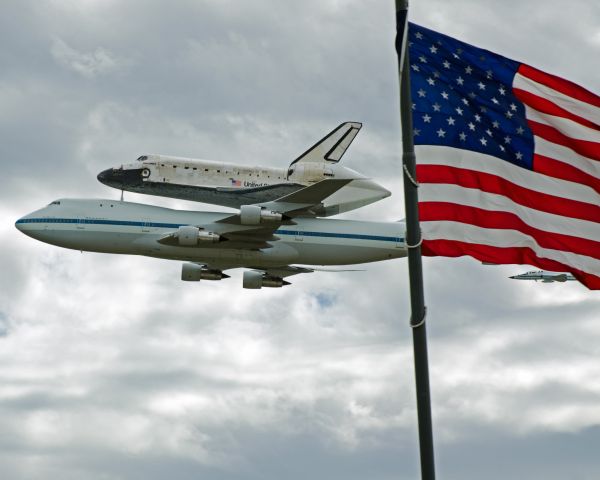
{"x": 332, "y": 146}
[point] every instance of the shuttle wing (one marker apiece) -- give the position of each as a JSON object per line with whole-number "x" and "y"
{"x": 253, "y": 228}
{"x": 303, "y": 202}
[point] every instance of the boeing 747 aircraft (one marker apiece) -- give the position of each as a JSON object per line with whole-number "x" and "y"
{"x": 268, "y": 239}
{"x": 233, "y": 185}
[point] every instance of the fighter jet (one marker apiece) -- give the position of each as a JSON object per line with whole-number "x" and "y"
{"x": 268, "y": 239}
{"x": 233, "y": 185}
{"x": 544, "y": 276}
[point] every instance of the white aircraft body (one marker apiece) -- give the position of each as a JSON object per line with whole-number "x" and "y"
{"x": 232, "y": 185}
{"x": 265, "y": 241}
{"x": 545, "y": 276}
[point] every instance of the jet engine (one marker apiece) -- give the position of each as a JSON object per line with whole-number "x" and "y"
{"x": 192, "y": 272}
{"x": 255, "y": 280}
{"x": 255, "y": 215}
{"x": 188, "y": 236}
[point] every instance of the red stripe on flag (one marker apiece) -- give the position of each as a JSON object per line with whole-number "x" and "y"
{"x": 480, "y": 217}
{"x": 564, "y": 171}
{"x": 583, "y": 147}
{"x": 544, "y": 105}
{"x": 494, "y": 184}
{"x": 500, "y": 255}
{"x": 559, "y": 84}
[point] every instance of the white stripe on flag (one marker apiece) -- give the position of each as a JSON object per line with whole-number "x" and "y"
{"x": 578, "y": 107}
{"x": 462, "y": 232}
{"x": 566, "y": 155}
{"x": 453, "y": 157}
{"x": 471, "y": 197}
{"x": 567, "y": 127}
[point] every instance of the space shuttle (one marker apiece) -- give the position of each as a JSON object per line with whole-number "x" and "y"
{"x": 233, "y": 185}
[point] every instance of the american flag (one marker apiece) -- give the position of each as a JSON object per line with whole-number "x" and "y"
{"x": 522, "y": 181}
{"x": 235, "y": 183}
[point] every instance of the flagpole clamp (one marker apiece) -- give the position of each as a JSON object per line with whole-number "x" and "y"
{"x": 410, "y": 177}
{"x": 416, "y": 245}
{"x": 422, "y": 322}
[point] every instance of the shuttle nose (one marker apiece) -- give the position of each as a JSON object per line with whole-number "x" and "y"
{"x": 120, "y": 178}
{"x": 105, "y": 175}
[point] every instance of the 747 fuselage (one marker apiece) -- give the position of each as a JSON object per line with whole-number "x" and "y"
{"x": 109, "y": 226}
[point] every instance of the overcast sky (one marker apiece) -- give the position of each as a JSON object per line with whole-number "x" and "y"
{"x": 112, "y": 368}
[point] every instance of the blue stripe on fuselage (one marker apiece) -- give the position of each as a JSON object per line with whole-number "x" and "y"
{"x": 128, "y": 223}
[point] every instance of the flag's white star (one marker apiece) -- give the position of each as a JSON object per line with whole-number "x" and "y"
{"x": 507, "y": 139}
{"x": 462, "y": 136}
{"x": 513, "y": 107}
{"x": 450, "y": 121}
{"x": 519, "y": 155}
{"x": 520, "y": 130}
{"x": 494, "y": 100}
{"x": 433, "y": 49}
{"x": 421, "y": 92}
{"x": 468, "y": 69}
{"x": 419, "y": 35}
{"x": 459, "y": 110}
{"x": 477, "y": 117}
{"x": 496, "y": 124}
{"x": 436, "y": 107}
{"x": 426, "y": 118}
{"x": 502, "y": 148}
{"x": 471, "y": 126}
{"x": 423, "y": 59}
{"x": 446, "y": 64}
{"x": 415, "y": 67}
{"x": 483, "y": 141}
{"x": 441, "y": 133}
{"x": 431, "y": 81}
{"x": 460, "y": 80}
{"x": 509, "y": 114}
{"x": 502, "y": 91}
{"x": 444, "y": 95}
{"x": 416, "y": 132}
{"x": 465, "y": 101}
{"x": 481, "y": 86}
{"x": 489, "y": 74}
{"x": 489, "y": 132}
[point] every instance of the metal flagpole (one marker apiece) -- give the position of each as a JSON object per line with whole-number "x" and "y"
{"x": 413, "y": 242}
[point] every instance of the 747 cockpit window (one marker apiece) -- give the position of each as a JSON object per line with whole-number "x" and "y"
{"x": 142, "y": 158}
{"x": 55, "y": 202}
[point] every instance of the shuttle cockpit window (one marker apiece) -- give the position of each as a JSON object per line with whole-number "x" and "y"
{"x": 142, "y": 158}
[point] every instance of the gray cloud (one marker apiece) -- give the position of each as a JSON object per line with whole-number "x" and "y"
{"x": 113, "y": 368}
